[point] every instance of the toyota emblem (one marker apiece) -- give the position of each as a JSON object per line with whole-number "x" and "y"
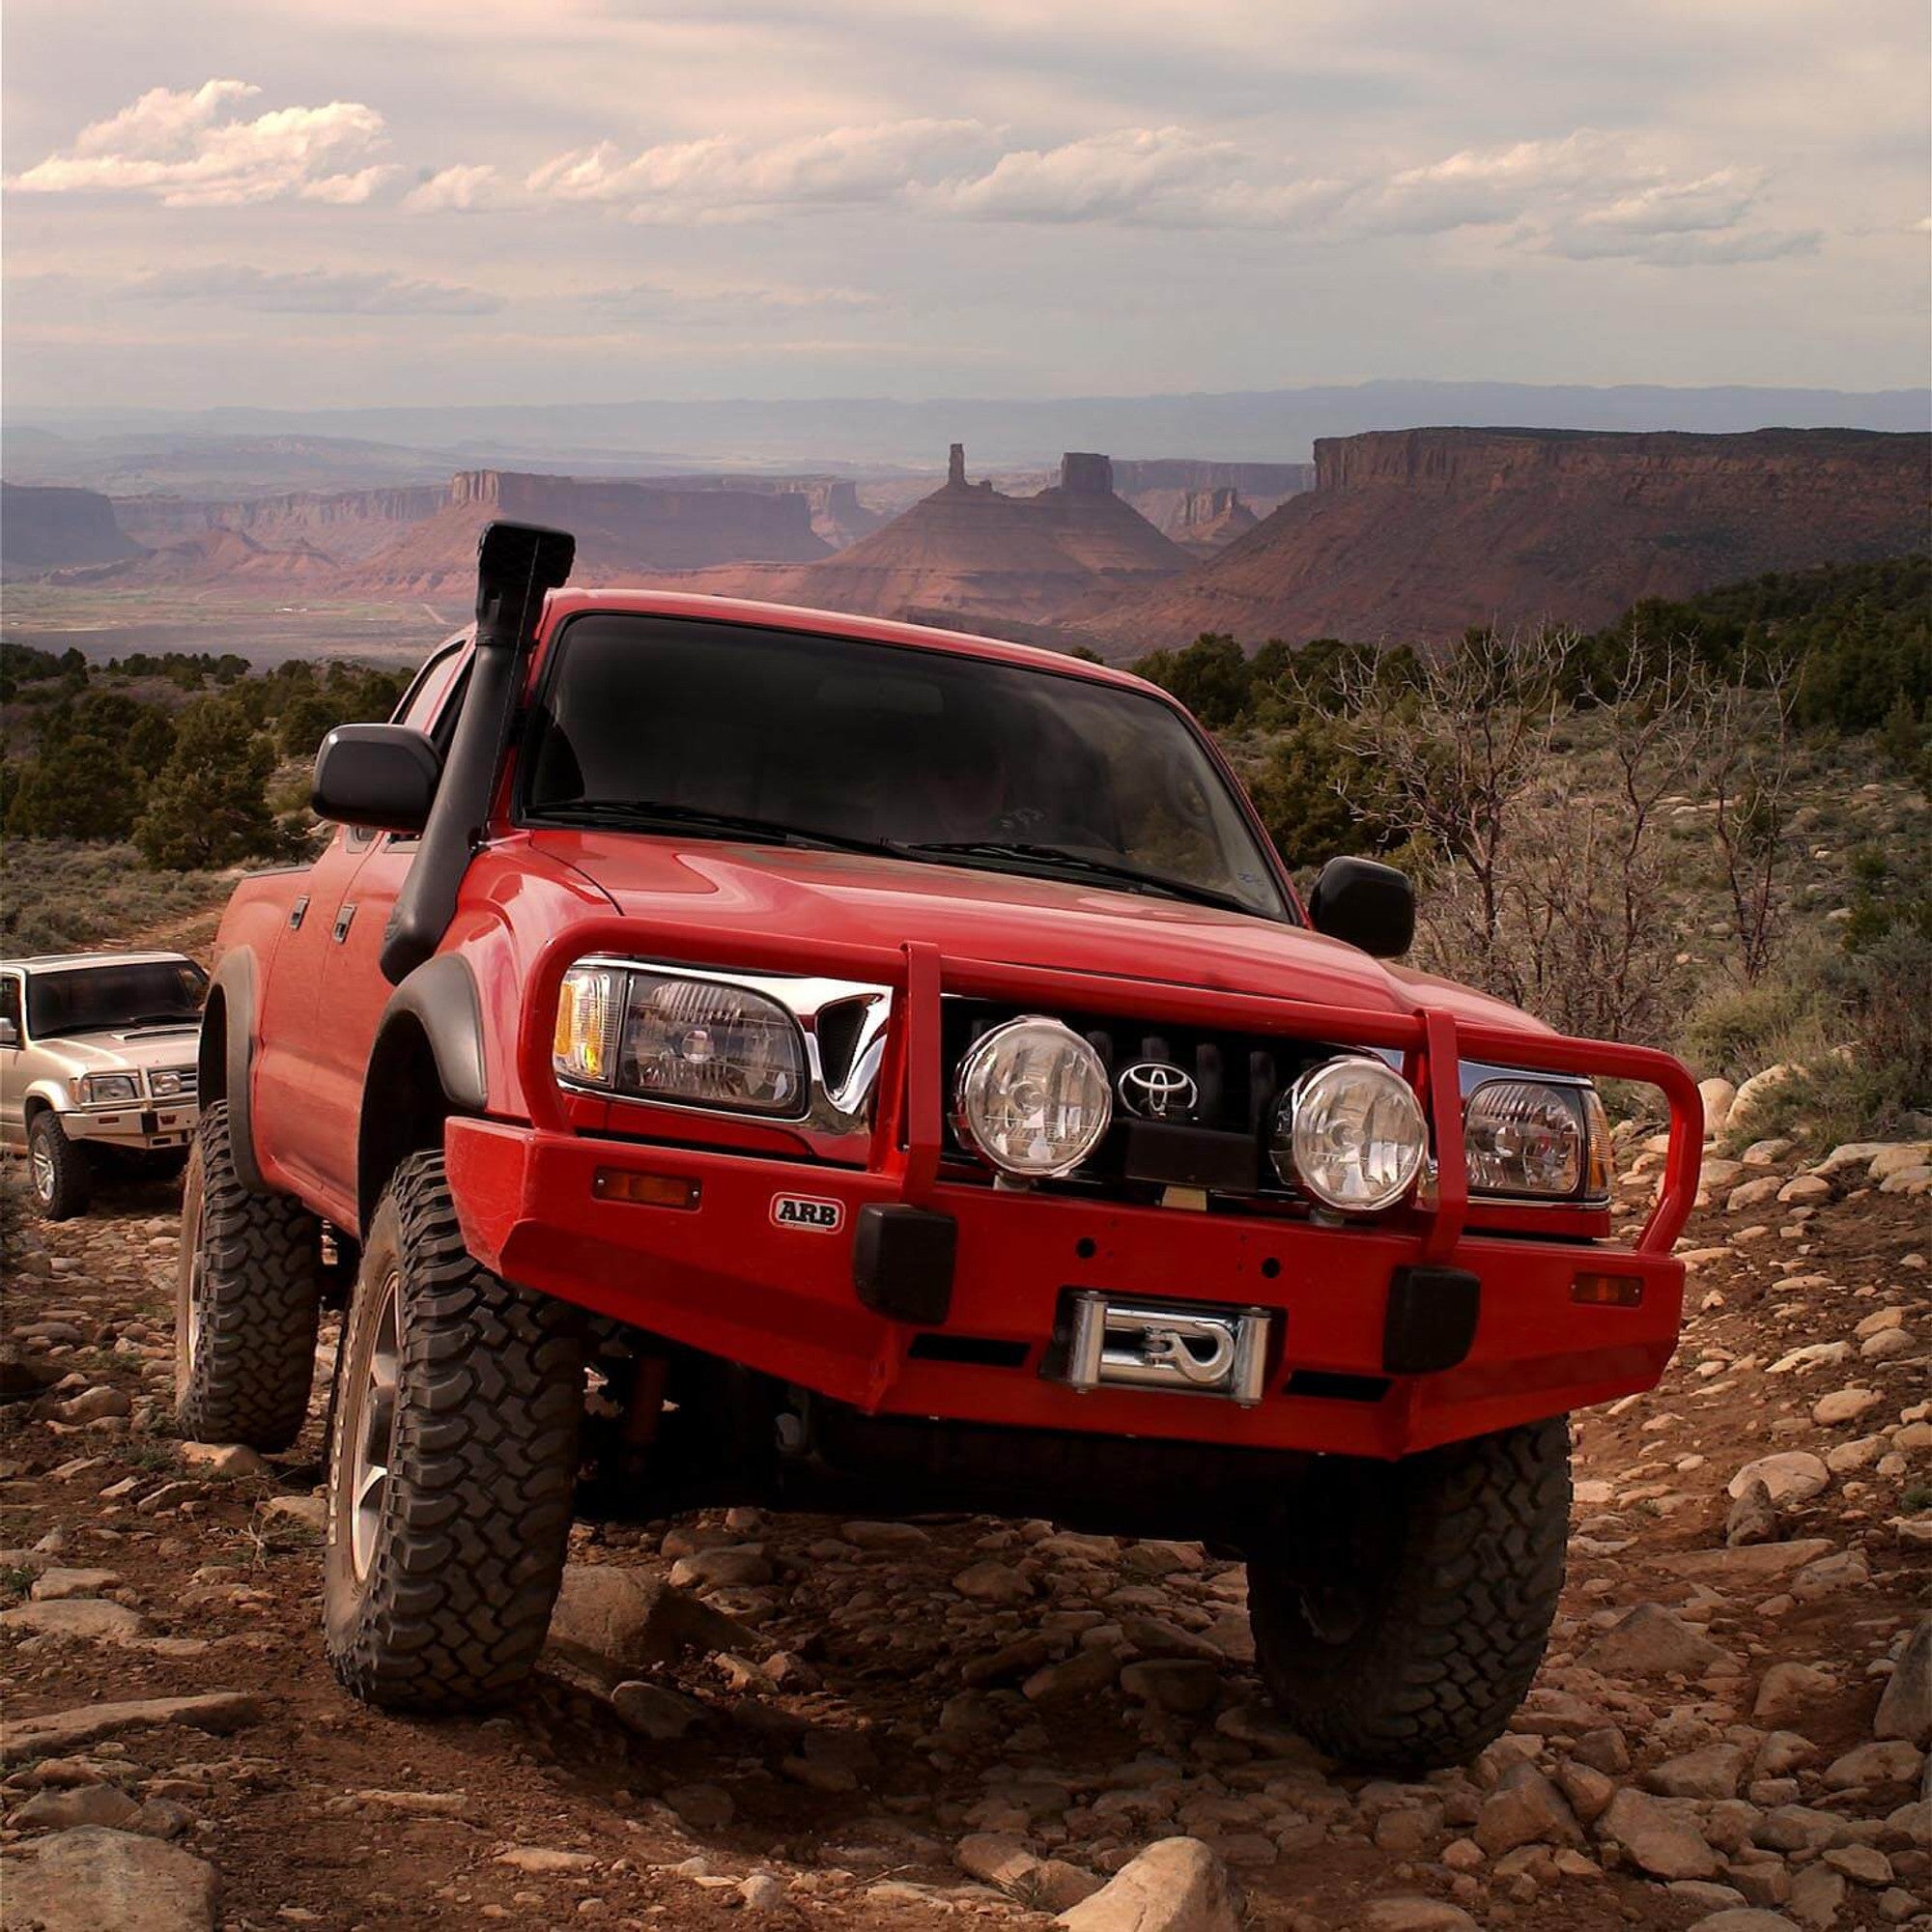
{"x": 1156, "y": 1091}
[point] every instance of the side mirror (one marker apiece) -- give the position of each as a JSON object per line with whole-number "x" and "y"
{"x": 10, "y": 1033}
{"x": 1365, "y": 905}
{"x": 380, "y": 776}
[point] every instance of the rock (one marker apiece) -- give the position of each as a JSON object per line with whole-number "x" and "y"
{"x": 60, "y": 1731}
{"x": 1588, "y": 1791}
{"x": 1655, "y": 1838}
{"x": 1863, "y": 1864}
{"x": 1781, "y": 1753}
{"x": 1817, "y": 1894}
{"x": 1845, "y": 1405}
{"x": 1886, "y": 1344}
{"x": 1524, "y": 1809}
{"x": 615, "y": 1620}
{"x": 1057, "y": 1886}
{"x": 762, "y": 1891}
{"x": 1183, "y": 1684}
{"x": 1791, "y": 1476}
{"x": 1651, "y": 1641}
{"x": 654, "y": 1712}
{"x": 87, "y": 1618}
{"x": 997, "y": 1857}
{"x": 1751, "y": 1518}
{"x": 1752, "y": 1095}
{"x": 1805, "y": 1190}
{"x": 1745, "y": 1919}
{"x": 94, "y": 1404}
{"x": 1798, "y": 1828}
{"x": 1177, "y": 1884}
{"x": 729, "y": 1567}
{"x": 1718, "y": 1095}
{"x": 1789, "y": 1690}
{"x": 885, "y": 1535}
{"x": 1731, "y": 1567}
{"x": 1890, "y": 1763}
{"x": 299, "y": 1512}
{"x": 82, "y": 1804}
{"x": 1413, "y": 1911}
{"x": 544, "y": 1859}
{"x": 55, "y": 1585}
{"x": 1766, "y": 1154}
{"x": 95, "y": 1880}
{"x": 1711, "y": 1773}
{"x": 1753, "y": 1194}
{"x": 1905, "y": 1709}
{"x": 1078, "y": 1676}
{"x": 704, "y": 1807}
{"x": 1832, "y": 1575}
{"x": 233, "y": 1460}
{"x": 993, "y": 1582}
{"x": 1846, "y": 1459}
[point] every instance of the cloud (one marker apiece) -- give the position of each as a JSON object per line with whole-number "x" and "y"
{"x": 192, "y": 149}
{"x": 651, "y": 302}
{"x": 1684, "y": 250}
{"x": 722, "y": 178}
{"x": 465, "y": 190}
{"x": 1151, "y": 177}
{"x": 311, "y": 292}
{"x": 1481, "y": 186}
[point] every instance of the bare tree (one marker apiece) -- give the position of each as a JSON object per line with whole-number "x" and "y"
{"x": 1748, "y": 766}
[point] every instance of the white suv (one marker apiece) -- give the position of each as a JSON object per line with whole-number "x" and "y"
{"x": 98, "y": 1065}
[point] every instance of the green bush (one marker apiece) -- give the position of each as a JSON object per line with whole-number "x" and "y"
{"x": 209, "y": 807}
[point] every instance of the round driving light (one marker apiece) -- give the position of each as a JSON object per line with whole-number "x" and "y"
{"x": 1033, "y": 1096}
{"x": 1351, "y": 1133}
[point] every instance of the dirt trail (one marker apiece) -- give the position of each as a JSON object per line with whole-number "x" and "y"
{"x": 877, "y": 1720}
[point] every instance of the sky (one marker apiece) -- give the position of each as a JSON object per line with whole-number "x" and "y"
{"x": 327, "y": 203}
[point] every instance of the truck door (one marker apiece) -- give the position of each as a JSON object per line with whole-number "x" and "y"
{"x": 13, "y": 1117}
{"x": 352, "y": 992}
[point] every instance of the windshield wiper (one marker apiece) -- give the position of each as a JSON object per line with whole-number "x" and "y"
{"x": 645, "y": 811}
{"x": 1130, "y": 876}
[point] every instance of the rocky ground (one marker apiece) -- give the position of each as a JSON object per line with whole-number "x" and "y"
{"x": 868, "y": 1725}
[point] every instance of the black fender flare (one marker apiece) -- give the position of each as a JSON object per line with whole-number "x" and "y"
{"x": 439, "y": 1002}
{"x": 225, "y": 1056}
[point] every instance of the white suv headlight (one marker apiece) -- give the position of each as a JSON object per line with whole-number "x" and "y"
{"x": 107, "y": 1090}
{"x": 1351, "y": 1132}
{"x": 1033, "y": 1096}
{"x": 694, "y": 1042}
{"x": 1537, "y": 1140}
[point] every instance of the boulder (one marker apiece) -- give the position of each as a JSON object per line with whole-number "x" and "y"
{"x": 613, "y": 1620}
{"x": 1718, "y": 1097}
{"x": 1524, "y": 1809}
{"x": 1751, "y": 1518}
{"x": 653, "y": 1712}
{"x": 1845, "y": 1405}
{"x": 1177, "y": 1884}
{"x": 1788, "y": 1691}
{"x": 1745, "y": 1919}
{"x": 88, "y": 1618}
{"x": 1711, "y": 1773}
{"x": 1651, "y": 1641}
{"x": 1655, "y": 1838}
{"x": 1905, "y": 1709}
{"x": 96, "y": 1880}
{"x": 1891, "y": 1762}
{"x": 1791, "y": 1476}
{"x": 1413, "y": 1911}
{"x": 59, "y": 1732}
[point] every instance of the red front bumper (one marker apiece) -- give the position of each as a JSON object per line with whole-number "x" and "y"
{"x": 724, "y": 1277}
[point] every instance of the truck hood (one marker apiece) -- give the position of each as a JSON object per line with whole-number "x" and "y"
{"x": 1004, "y": 917}
{"x": 111, "y": 1051}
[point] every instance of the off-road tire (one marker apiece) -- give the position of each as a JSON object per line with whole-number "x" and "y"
{"x": 247, "y": 1301}
{"x": 61, "y": 1173}
{"x": 464, "y": 1550}
{"x": 1435, "y": 1580}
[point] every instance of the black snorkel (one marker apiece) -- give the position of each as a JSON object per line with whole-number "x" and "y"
{"x": 517, "y": 565}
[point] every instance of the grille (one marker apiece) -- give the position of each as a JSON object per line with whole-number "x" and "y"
{"x": 1238, "y": 1079}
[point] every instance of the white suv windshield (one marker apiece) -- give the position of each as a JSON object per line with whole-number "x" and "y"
{"x": 98, "y": 999}
{"x": 726, "y": 730}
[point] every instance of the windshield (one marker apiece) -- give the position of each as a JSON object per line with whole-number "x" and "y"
{"x": 731, "y": 731}
{"x": 101, "y": 999}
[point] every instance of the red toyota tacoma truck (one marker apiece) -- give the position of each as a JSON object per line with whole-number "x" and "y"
{"x": 747, "y": 1054}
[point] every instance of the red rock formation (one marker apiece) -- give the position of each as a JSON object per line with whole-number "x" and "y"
{"x": 1420, "y": 533}
{"x": 44, "y": 530}
{"x": 1207, "y": 520}
{"x": 967, "y": 551}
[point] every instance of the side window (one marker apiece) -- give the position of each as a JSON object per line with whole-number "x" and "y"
{"x": 430, "y": 704}
{"x": 10, "y": 1001}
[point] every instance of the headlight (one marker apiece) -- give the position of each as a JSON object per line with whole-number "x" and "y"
{"x": 105, "y": 1090}
{"x": 165, "y": 1084}
{"x": 1537, "y": 1140}
{"x": 1032, "y": 1095}
{"x": 695, "y": 1042}
{"x": 1351, "y": 1132}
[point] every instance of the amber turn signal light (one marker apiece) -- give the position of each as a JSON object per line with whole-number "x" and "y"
{"x": 647, "y": 1190}
{"x": 1609, "y": 1290}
